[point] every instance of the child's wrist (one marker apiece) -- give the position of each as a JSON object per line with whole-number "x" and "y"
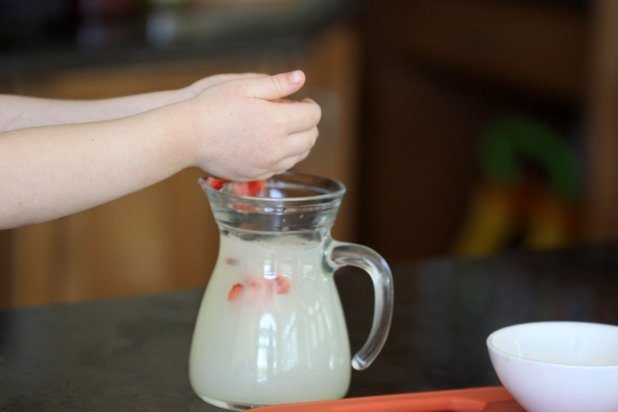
{"x": 183, "y": 133}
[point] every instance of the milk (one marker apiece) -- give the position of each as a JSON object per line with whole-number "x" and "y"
{"x": 270, "y": 328}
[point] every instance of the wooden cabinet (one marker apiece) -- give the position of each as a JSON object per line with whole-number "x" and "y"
{"x": 164, "y": 237}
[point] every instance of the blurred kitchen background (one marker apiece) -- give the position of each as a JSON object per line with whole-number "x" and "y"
{"x": 464, "y": 127}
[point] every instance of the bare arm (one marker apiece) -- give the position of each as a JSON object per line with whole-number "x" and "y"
{"x": 235, "y": 129}
{"x": 48, "y": 172}
{"x": 19, "y": 112}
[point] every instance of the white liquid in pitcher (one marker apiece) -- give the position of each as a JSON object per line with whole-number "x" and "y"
{"x": 270, "y": 328}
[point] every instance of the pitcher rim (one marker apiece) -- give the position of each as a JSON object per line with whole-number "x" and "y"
{"x": 336, "y": 193}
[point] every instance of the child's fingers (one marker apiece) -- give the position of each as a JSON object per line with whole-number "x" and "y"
{"x": 283, "y": 100}
{"x": 264, "y": 176}
{"x": 290, "y": 162}
{"x": 277, "y": 86}
{"x": 286, "y": 164}
{"x": 303, "y": 156}
{"x": 299, "y": 142}
{"x": 308, "y": 100}
{"x": 300, "y": 115}
{"x": 283, "y": 165}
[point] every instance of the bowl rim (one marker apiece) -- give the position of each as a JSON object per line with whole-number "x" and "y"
{"x": 492, "y": 347}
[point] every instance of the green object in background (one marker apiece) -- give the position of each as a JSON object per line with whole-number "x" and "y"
{"x": 508, "y": 138}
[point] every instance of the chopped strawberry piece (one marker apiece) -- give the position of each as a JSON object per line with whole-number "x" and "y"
{"x": 239, "y": 188}
{"x": 234, "y": 291}
{"x": 243, "y": 207}
{"x": 282, "y": 285}
{"x": 256, "y": 187}
{"x": 249, "y": 188}
{"x": 215, "y": 183}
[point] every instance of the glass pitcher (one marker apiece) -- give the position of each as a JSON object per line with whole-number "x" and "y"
{"x": 270, "y": 328}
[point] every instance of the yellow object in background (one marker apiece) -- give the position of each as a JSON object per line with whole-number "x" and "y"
{"x": 501, "y": 216}
{"x": 518, "y": 206}
{"x": 550, "y": 223}
{"x": 489, "y": 224}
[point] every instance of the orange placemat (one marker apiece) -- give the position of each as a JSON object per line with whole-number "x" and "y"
{"x": 489, "y": 399}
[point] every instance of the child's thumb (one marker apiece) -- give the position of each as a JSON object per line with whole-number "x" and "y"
{"x": 277, "y": 86}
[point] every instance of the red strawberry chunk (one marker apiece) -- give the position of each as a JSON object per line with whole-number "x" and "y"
{"x": 249, "y": 188}
{"x": 234, "y": 291}
{"x": 215, "y": 183}
{"x": 253, "y": 188}
{"x": 282, "y": 285}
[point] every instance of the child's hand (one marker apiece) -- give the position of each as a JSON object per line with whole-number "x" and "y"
{"x": 242, "y": 129}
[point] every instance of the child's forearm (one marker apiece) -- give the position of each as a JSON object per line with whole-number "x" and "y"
{"x": 237, "y": 127}
{"x": 20, "y": 112}
{"x": 49, "y": 172}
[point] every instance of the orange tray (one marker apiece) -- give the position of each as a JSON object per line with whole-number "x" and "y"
{"x": 490, "y": 399}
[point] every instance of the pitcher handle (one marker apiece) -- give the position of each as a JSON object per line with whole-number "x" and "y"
{"x": 349, "y": 254}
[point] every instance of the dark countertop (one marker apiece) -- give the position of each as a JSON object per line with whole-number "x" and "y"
{"x": 132, "y": 354}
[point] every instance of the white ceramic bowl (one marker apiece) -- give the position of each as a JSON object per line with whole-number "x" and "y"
{"x": 558, "y": 366}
